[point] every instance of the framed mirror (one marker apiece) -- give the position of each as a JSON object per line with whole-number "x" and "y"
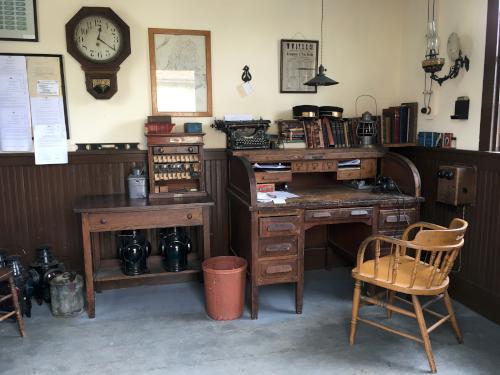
{"x": 181, "y": 77}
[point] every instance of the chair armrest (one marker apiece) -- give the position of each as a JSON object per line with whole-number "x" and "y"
{"x": 391, "y": 240}
{"x": 422, "y": 225}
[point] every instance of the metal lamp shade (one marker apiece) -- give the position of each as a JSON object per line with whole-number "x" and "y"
{"x": 321, "y": 79}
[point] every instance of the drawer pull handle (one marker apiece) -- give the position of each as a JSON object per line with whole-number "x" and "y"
{"x": 103, "y": 221}
{"x": 395, "y": 218}
{"x": 321, "y": 214}
{"x": 190, "y": 149}
{"x": 279, "y": 227}
{"x": 359, "y": 212}
{"x": 278, "y": 247}
{"x": 189, "y": 216}
{"x": 283, "y": 268}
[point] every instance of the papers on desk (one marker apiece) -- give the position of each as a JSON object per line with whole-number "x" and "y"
{"x": 354, "y": 163}
{"x": 277, "y": 197}
{"x": 278, "y": 166}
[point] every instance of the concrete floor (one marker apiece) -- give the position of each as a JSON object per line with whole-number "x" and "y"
{"x": 164, "y": 330}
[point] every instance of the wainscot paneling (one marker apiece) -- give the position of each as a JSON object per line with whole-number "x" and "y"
{"x": 476, "y": 281}
{"x": 36, "y": 202}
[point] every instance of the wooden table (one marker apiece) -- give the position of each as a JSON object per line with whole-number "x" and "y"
{"x": 116, "y": 212}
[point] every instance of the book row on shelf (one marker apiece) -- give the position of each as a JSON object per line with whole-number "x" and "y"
{"x": 399, "y": 124}
{"x": 396, "y": 126}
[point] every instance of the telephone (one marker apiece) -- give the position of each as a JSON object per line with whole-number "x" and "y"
{"x": 385, "y": 185}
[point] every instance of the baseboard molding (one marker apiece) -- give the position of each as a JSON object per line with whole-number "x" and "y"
{"x": 478, "y": 299}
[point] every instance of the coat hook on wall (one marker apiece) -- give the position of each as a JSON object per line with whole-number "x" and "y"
{"x": 246, "y": 76}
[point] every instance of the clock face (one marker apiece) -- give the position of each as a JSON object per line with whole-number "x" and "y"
{"x": 98, "y": 39}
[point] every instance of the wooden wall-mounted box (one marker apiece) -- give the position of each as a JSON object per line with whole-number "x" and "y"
{"x": 456, "y": 184}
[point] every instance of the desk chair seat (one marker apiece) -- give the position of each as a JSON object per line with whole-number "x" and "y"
{"x": 403, "y": 280}
{"x": 416, "y": 267}
{"x": 6, "y": 275}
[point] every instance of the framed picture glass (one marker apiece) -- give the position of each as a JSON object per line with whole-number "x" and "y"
{"x": 18, "y": 20}
{"x": 299, "y": 64}
{"x": 181, "y": 78}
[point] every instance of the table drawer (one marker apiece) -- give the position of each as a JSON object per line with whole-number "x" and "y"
{"x": 278, "y": 271}
{"x": 100, "y": 222}
{"x": 330, "y": 165}
{"x": 338, "y": 213}
{"x": 262, "y": 177}
{"x": 279, "y": 226}
{"x": 397, "y": 218}
{"x": 277, "y": 246}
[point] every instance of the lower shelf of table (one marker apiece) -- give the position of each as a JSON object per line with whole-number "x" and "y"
{"x": 110, "y": 276}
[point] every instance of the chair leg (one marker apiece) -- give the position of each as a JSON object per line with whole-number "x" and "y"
{"x": 390, "y": 301}
{"x": 423, "y": 332}
{"x": 453, "y": 319}
{"x": 15, "y": 302}
{"x": 355, "y": 310}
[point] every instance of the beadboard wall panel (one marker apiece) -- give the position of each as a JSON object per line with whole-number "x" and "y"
{"x": 36, "y": 202}
{"x": 476, "y": 281}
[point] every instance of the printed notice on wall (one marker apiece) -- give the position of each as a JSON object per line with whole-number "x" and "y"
{"x": 49, "y": 130}
{"x": 15, "y": 123}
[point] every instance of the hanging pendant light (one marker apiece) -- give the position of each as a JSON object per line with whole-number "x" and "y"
{"x": 321, "y": 79}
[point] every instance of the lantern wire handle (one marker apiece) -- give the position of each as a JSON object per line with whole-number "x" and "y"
{"x": 369, "y": 96}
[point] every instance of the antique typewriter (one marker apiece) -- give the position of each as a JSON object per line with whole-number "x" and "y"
{"x": 242, "y": 135}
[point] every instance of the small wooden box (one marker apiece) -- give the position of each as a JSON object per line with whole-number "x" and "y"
{"x": 456, "y": 185}
{"x": 175, "y": 165}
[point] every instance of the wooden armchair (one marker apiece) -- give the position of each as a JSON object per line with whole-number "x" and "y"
{"x": 417, "y": 267}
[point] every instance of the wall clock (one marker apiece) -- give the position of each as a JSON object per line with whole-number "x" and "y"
{"x": 100, "y": 41}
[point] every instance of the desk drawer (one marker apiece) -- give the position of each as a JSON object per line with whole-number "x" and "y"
{"x": 277, "y": 246}
{"x": 279, "y": 226}
{"x": 397, "y": 218}
{"x": 338, "y": 213}
{"x": 271, "y": 177}
{"x": 348, "y": 173}
{"x": 278, "y": 271}
{"x": 100, "y": 222}
{"x": 308, "y": 166}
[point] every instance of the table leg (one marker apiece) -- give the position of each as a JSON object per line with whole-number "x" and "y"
{"x": 87, "y": 260}
{"x": 206, "y": 233}
{"x": 299, "y": 296}
{"x": 254, "y": 295}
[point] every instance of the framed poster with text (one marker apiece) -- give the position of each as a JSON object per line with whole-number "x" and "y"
{"x": 18, "y": 20}
{"x": 299, "y": 63}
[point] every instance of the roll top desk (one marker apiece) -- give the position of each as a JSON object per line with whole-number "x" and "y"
{"x": 272, "y": 236}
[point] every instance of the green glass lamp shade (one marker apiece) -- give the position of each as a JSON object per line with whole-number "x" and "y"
{"x": 321, "y": 79}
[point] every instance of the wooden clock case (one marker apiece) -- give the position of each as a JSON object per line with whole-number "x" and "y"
{"x": 98, "y": 73}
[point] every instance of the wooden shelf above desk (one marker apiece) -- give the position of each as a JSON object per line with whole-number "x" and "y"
{"x": 274, "y": 156}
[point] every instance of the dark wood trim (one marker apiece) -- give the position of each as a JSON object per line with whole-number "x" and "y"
{"x": 489, "y": 111}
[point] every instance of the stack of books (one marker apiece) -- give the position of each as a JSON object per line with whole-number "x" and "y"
{"x": 330, "y": 133}
{"x": 158, "y": 125}
{"x": 399, "y": 124}
{"x": 292, "y": 133}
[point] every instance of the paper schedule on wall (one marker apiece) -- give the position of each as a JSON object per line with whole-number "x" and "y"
{"x": 15, "y": 123}
{"x": 32, "y": 106}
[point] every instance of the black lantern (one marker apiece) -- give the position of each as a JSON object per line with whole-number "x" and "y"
{"x": 367, "y": 129}
{"x": 133, "y": 251}
{"x": 175, "y": 246}
{"x": 46, "y": 268}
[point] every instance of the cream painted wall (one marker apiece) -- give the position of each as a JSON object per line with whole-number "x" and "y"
{"x": 362, "y": 50}
{"x": 468, "y": 19}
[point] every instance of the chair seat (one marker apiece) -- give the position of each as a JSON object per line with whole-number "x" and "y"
{"x": 404, "y": 275}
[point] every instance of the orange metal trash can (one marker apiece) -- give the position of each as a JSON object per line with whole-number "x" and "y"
{"x": 224, "y": 279}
